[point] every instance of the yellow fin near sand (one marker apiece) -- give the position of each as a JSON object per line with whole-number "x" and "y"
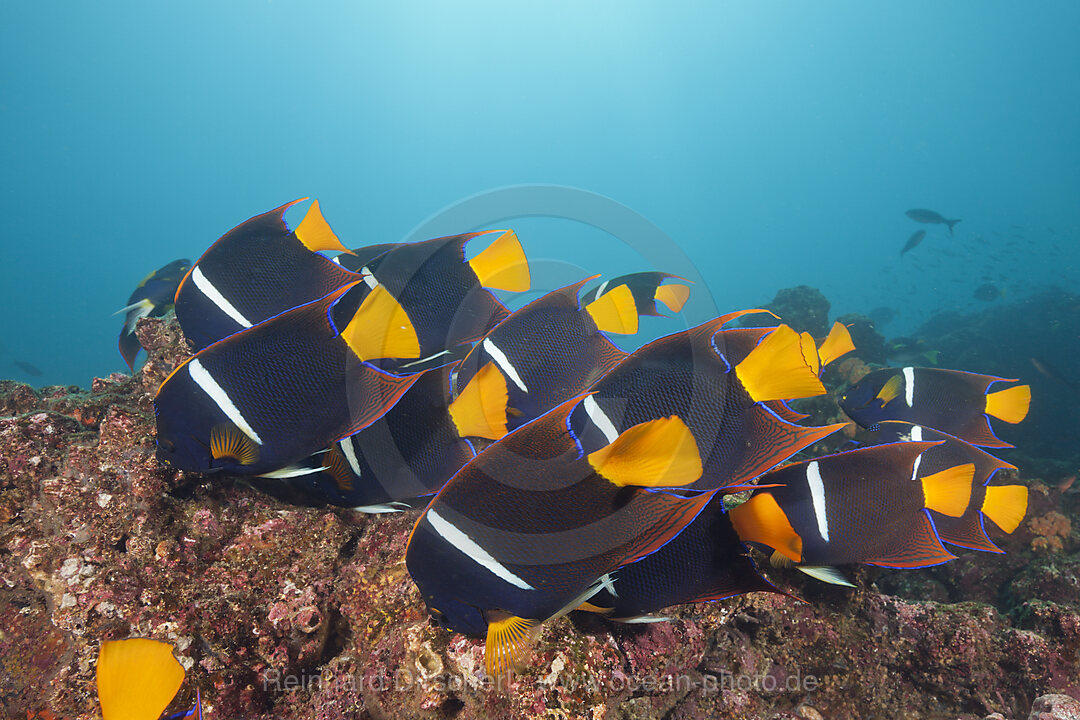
{"x": 503, "y": 265}
{"x": 1010, "y": 404}
{"x": 315, "y": 233}
{"x": 777, "y": 369}
{"x": 480, "y": 409}
{"x": 381, "y": 329}
{"x": 615, "y": 311}
{"x": 507, "y": 643}
{"x": 949, "y": 491}
{"x": 137, "y": 678}
{"x": 657, "y": 453}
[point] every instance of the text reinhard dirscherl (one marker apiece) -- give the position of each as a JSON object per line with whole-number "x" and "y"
{"x": 404, "y": 680}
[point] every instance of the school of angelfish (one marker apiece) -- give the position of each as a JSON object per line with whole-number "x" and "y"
{"x": 559, "y": 473}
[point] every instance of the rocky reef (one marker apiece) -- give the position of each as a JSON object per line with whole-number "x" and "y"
{"x": 278, "y": 611}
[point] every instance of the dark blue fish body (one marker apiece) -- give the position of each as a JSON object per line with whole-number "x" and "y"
{"x": 707, "y": 561}
{"x": 257, "y": 270}
{"x": 409, "y": 452}
{"x": 271, "y": 395}
{"x": 950, "y": 401}
{"x": 153, "y": 297}
{"x": 692, "y": 374}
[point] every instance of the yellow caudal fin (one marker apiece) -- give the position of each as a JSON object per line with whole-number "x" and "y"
{"x": 949, "y": 491}
{"x": 760, "y": 519}
{"x": 137, "y": 678}
{"x": 315, "y": 233}
{"x": 615, "y": 311}
{"x": 836, "y": 344}
{"x": 228, "y": 442}
{"x": 381, "y": 329}
{"x": 480, "y": 409}
{"x": 777, "y": 368}
{"x": 1010, "y": 404}
{"x": 507, "y": 644}
{"x": 891, "y": 389}
{"x": 809, "y": 351}
{"x": 657, "y": 453}
{"x": 502, "y": 265}
{"x": 1006, "y": 505}
{"x": 673, "y": 296}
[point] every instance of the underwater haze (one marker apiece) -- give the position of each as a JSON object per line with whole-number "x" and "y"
{"x": 775, "y": 143}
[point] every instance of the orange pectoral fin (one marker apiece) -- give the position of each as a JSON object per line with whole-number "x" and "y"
{"x": 315, "y": 233}
{"x": 228, "y": 442}
{"x": 890, "y": 390}
{"x": 1010, "y": 404}
{"x": 760, "y": 519}
{"x": 657, "y": 453}
{"x": 508, "y": 642}
{"x": 503, "y": 265}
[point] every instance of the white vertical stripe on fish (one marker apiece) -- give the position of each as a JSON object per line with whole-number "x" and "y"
{"x": 349, "y": 452}
{"x": 207, "y": 288}
{"x": 600, "y": 419}
{"x": 817, "y": 495}
{"x": 504, "y": 363}
{"x": 209, "y": 386}
{"x": 909, "y": 386}
{"x": 468, "y": 546}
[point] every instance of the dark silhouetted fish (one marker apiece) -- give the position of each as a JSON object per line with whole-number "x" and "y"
{"x": 988, "y": 292}
{"x": 153, "y": 297}
{"x": 882, "y": 315}
{"x": 1052, "y": 373}
{"x": 915, "y": 239}
{"x": 929, "y": 216}
{"x": 28, "y": 368}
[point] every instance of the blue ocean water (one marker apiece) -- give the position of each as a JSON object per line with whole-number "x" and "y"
{"x": 774, "y": 143}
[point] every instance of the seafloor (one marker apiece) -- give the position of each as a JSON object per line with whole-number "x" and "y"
{"x": 282, "y": 612}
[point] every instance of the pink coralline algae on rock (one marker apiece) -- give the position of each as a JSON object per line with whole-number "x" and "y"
{"x": 278, "y": 611}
